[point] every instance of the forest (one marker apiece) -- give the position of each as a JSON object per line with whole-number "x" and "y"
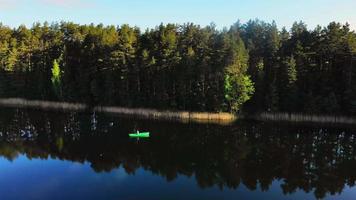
{"x": 249, "y": 67}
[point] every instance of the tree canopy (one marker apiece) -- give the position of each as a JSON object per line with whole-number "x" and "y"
{"x": 253, "y": 66}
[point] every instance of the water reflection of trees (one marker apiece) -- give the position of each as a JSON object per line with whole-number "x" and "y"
{"x": 319, "y": 160}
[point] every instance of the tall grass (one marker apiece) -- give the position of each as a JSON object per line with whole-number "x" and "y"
{"x": 184, "y": 116}
{"x": 43, "y": 105}
{"x": 223, "y": 118}
{"x": 294, "y": 117}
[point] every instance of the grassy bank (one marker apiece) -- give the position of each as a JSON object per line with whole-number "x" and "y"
{"x": 294, "y": 117}
{"x": 223, "y": 118}
{"x": 184, "y": 116}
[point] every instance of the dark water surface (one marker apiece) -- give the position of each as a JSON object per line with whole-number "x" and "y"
{"x": 53, "y": 155}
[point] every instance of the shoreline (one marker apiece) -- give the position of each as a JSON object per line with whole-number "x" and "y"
{"x": 185, "y": 116}
{"x": 303, "y": 118}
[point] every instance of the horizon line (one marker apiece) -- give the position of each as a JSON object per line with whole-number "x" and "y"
{"x": 217, "y": 26}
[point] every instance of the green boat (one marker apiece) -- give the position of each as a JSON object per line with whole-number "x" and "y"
{"x": 140, "y": 135}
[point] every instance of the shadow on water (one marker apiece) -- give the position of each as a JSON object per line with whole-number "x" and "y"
{"x": 308, "y": 158}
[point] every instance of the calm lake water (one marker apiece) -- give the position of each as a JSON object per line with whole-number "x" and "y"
{"x": 56, "y": 155}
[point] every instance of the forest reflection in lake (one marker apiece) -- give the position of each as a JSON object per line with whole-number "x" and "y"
{"x": 73, "y": 155}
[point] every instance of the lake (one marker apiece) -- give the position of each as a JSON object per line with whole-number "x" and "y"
{"x": 71, "y": 155}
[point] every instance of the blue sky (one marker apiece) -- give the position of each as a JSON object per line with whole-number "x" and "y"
{"x": 149, "y": 13}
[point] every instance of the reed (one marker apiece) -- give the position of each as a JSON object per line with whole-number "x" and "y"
{"x": 44, "y": 105}
{"x": 295, "y": 117}
{"x": 221, "y": 118}
{"x": 184, "y": 116}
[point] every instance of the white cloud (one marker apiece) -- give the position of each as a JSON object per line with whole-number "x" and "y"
{"x": 4, "y": 4}
{"x": 66, "y": 3}
{"x": 7, "y": 4}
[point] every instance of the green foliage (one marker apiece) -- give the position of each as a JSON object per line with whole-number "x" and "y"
{"x": 272, "y": 97}
{"x": 238, "y": 86}
{"x": 291, "y": 72}
{"x": 56, "y": 78}
{"x": 56, "y": 72}
{"x": 288, "y": 88}
{"x": 12, "y": 56}
{"x": 238, "y": 90}
{"x": 253, "y": 66}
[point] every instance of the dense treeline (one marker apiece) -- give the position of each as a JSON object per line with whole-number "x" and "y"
{"x": 254, "y": 66}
